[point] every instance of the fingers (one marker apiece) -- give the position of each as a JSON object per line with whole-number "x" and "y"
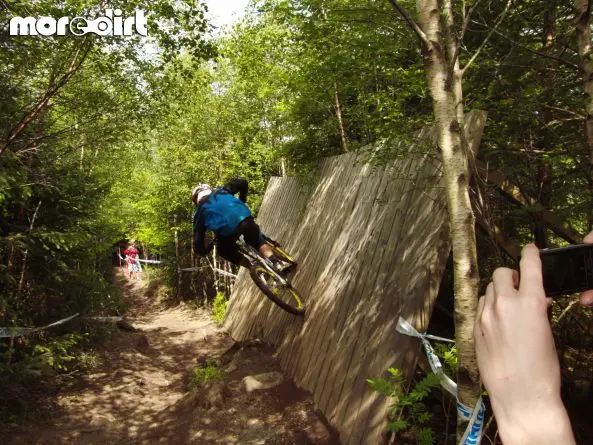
{"x": 480, "y": 307}
{"x": 504, "y": 282}
{"x": 587, "y": 298}
{"x": 488, "y": 298}
{"x": 531, "y": 272}
{"x": 478, "y": 333}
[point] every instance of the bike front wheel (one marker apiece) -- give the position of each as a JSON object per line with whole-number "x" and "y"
{"x": 284, "y": 295}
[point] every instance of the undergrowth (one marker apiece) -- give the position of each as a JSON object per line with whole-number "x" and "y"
{"x": 219, "y": 307}
{"x": 409, "y": 412}
{"x": 201, "y": 375}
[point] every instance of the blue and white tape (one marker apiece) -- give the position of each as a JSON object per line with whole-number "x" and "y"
{"x": 150, "y": 261}
{"x": 473, "y": 432}
{"x": 17, "y": 331}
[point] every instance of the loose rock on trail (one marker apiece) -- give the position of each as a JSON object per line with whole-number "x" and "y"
{"x": 139, "y": 392}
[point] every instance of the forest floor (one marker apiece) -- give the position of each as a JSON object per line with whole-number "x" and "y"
{"x": 139, "y": 393}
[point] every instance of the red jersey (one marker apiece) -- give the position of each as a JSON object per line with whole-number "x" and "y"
{"x": 132, "y": 254}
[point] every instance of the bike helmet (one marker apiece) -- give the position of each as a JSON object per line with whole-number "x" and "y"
{"x": 200, "y": 191}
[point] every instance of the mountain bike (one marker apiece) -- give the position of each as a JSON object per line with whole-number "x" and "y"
{"x": 275, "y": 285}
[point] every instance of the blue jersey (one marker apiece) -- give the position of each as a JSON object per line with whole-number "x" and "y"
{"x": 221, "y": 213}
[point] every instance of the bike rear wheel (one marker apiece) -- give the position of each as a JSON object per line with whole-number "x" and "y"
{"x": 284, "y": 295}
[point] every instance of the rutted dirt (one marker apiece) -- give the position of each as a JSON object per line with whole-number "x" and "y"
{"x": 139, "y": 394}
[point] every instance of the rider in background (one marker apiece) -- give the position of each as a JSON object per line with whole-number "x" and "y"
{"x": 219, "y": 211}
{"x": 131, "y": 254}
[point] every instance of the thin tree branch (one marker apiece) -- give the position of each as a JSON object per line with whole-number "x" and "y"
{"x": 411, "y": 23}
{"x": 26, "y": 253}
{"x": 580, "y": 116}
{"x": 485, "y": 41}
{"x": 537, "y": 53}
{"x": 74, "y": 65}
{"x": 462, "y": 35}
{"x": 572, "y": 303}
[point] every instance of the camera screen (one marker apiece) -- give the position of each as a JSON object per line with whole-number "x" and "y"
{"x": 564, "y": 272}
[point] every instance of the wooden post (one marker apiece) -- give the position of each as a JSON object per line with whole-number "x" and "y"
{"x": 178, "y": 256}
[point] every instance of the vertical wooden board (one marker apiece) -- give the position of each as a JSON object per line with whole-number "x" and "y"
{"x": 269, "y": 315}
{"x": 332, "y": 269}
{"x": 359, "y": 385}
{"x": 370, "y": 425}
{"x": 244, "y": 298}
{"x": 383, "y": 213}
{"x": 234, "y": 322}
{"x": 321, "y": 220}
{"x": 278, "y": 321}
{"x": 366, "y": 223}
{"x": 309, "y": 281}
{"x": 279, "y": 202}
{"x": 345, "y": 412}
{"x": 296, "y": 240}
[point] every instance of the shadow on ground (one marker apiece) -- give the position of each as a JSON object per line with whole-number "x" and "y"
{"x": 139, "y": 393}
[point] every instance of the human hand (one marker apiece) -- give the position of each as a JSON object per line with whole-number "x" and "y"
{"x": 517, "y": 357}
{"x": 587, "y": 296}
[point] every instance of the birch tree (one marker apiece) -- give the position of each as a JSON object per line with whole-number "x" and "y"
{"x": 440, "y": 49}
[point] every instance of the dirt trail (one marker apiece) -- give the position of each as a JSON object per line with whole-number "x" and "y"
{"x": 139, "y": 394}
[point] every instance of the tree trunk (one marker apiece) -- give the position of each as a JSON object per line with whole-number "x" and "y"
{"x": 178, "y": 257}
{"x": 583, "y": 28}
{"x": 214, "y": 274}
{"x": 22, "y": 280}
{"x": 444, "y": 82}
{"x": 338, "y": 106}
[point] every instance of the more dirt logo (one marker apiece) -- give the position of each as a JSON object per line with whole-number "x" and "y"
{"x": 111, "y": 24}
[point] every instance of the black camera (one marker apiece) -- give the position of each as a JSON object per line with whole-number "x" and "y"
{"x": 567, "y": 270}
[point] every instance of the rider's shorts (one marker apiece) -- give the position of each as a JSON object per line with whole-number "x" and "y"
{"x": 227, "y": 245}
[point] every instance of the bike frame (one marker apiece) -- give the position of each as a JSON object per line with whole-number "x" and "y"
{"x": 254, "y": 256}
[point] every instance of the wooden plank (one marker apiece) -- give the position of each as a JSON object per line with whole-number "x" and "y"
{"x": 382, "y": 216}
{"x": 336, "y": 345}
{"x": 326, "y": 272}
{"x": 348, "y": 409}
{"x": 345, "y": 184}
{"x": 410, "y": 291}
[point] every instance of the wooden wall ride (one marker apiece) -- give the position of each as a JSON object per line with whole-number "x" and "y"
{"x": 372, "y": 242}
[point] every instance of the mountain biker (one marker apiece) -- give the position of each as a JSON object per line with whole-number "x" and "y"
{"x": 218, "y": 210}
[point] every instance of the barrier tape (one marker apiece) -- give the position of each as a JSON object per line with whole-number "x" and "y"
{"x": 18, "y": 331}
{"x": 473, "y": 432}
{"x": 151, "y": 261}
{"x": 111, "y": 319}
{"x": 220, "y": 271}
{"x": 142, "y": 261}
{"x": 214, "y": 269}
{"x": 224, "y": 273}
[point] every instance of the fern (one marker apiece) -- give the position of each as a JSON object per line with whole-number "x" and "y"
{"x": 425, "y": 436}
{"x": 409, "y": 412}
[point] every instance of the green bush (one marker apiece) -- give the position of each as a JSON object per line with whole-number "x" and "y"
{"x": 409, "y": 412}
{"x": 201, "y": 375}
{"x": 219, "y": 307}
